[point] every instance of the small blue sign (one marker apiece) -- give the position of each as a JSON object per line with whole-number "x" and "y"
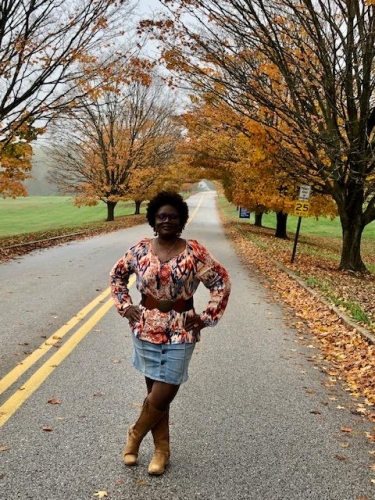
{"x": 244, "y": 214}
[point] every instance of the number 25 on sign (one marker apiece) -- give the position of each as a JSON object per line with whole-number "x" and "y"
{"x": 301, "y": 208}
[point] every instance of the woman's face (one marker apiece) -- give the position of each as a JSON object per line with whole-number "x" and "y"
{"x": 167, "y": 221}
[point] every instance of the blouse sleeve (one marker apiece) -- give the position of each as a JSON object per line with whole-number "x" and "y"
{"x": 119, "y": 279}
{"x": 214, "y": 277}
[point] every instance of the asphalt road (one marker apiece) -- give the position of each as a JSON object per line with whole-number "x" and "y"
{"x": 256, "y": 420}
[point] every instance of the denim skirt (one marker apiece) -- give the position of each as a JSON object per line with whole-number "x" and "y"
{"x": 163, "y": 362}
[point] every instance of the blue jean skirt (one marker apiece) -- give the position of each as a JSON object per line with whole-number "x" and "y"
{"x": 163, "y": 362}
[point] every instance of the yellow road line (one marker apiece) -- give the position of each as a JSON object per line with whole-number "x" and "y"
{"x": 24, "y": 392}
{"x": 12, "y": 404}
{"x": 195, "y": 210}
{"x": 21, "y": 368}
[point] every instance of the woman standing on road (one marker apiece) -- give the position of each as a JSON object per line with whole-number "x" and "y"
{"x": 165, "y": 326}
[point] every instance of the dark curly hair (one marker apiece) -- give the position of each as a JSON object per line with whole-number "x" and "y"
{"x": 167, "y": 198}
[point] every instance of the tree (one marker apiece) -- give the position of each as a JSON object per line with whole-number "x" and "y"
{"x": 237, "y": 150}
{"x": 117, "y": 146}
{"x": 310, "y": 64}
{"x": 15, "y": 159}
{"x": 45, "y": 46}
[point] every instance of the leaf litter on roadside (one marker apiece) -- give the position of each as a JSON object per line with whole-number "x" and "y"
{"x": 350, "y": 356}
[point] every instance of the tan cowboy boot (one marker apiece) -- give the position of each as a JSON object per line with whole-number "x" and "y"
{"x": 160, "y": 433}
{"x": 149, "y": 417}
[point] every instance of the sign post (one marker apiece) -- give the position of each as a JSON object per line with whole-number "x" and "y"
{"x": 301, "y": 209}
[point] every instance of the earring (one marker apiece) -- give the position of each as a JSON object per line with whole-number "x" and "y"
{"x": 155, "y": 232}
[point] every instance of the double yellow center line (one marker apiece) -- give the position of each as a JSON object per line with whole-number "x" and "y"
{"x": 12, "y": 404}
{"x": 20, "y": 396}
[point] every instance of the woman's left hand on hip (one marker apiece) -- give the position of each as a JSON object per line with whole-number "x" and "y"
{"x": 193, "y": 321}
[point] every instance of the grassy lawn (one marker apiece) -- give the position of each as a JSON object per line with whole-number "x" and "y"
{"x": 42, "y": 213}
{"x": 323, "y": 227}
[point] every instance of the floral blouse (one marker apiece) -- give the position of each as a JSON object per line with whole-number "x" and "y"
{"x": 176, "y": 278}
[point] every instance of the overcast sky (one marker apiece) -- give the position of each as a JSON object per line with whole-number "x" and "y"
{"x": 148, "y": 6}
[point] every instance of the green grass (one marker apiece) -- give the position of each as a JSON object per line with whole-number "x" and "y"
{"x": 356, "y": 312}
{"x": 354, "y": 309}
{"x": 323, "y": 227}
{"x": 43, "y": 213}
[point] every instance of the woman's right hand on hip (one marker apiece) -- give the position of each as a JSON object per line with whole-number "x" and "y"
{"x": 133, "y": 314}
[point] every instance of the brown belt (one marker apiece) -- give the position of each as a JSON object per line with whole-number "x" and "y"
{"x": 165, "y": 305}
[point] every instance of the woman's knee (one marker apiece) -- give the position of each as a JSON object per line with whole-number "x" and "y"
{"x": 162, "y": 395}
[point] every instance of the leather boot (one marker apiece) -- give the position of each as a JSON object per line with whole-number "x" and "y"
{"x": 148, "y": 418}
{"x": 160, "y": 433}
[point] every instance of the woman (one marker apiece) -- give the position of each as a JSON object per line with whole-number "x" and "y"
{"x": 165, "y": 325}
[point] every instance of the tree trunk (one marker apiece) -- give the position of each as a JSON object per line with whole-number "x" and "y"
{"x": 137, "y": 207}
{"x": 281, "y": 218}
{"x": 258, "y": 219}
{"x": 111, "y": 210}
{"x": 350, "y": 199}
{"x": 351, "y": 247}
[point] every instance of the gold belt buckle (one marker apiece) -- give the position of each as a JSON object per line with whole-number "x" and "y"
{"x": 164, "y": 305}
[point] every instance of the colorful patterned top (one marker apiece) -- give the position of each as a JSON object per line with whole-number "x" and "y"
{"x": 176, "y": 278}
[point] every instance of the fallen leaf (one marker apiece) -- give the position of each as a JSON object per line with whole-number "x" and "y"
{"x": 47, "y": 428}
{"x": 342, "y": 458}
{"x": 346, "y": 429}
{"x": 340, "y": 407}
{"x": 54, "y": 401}
{"x": 345, "y": 445}
{"x": 116, "y": 360}
{"x": 118, "y": 482}
{"x": 4, "y": 448}
{"x": 316, "y": 412}
{"x": 141, "y": 482}
{"x": 101, "y": 494}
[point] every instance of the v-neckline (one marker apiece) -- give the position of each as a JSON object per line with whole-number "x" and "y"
{"x": 170, "y": 258}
